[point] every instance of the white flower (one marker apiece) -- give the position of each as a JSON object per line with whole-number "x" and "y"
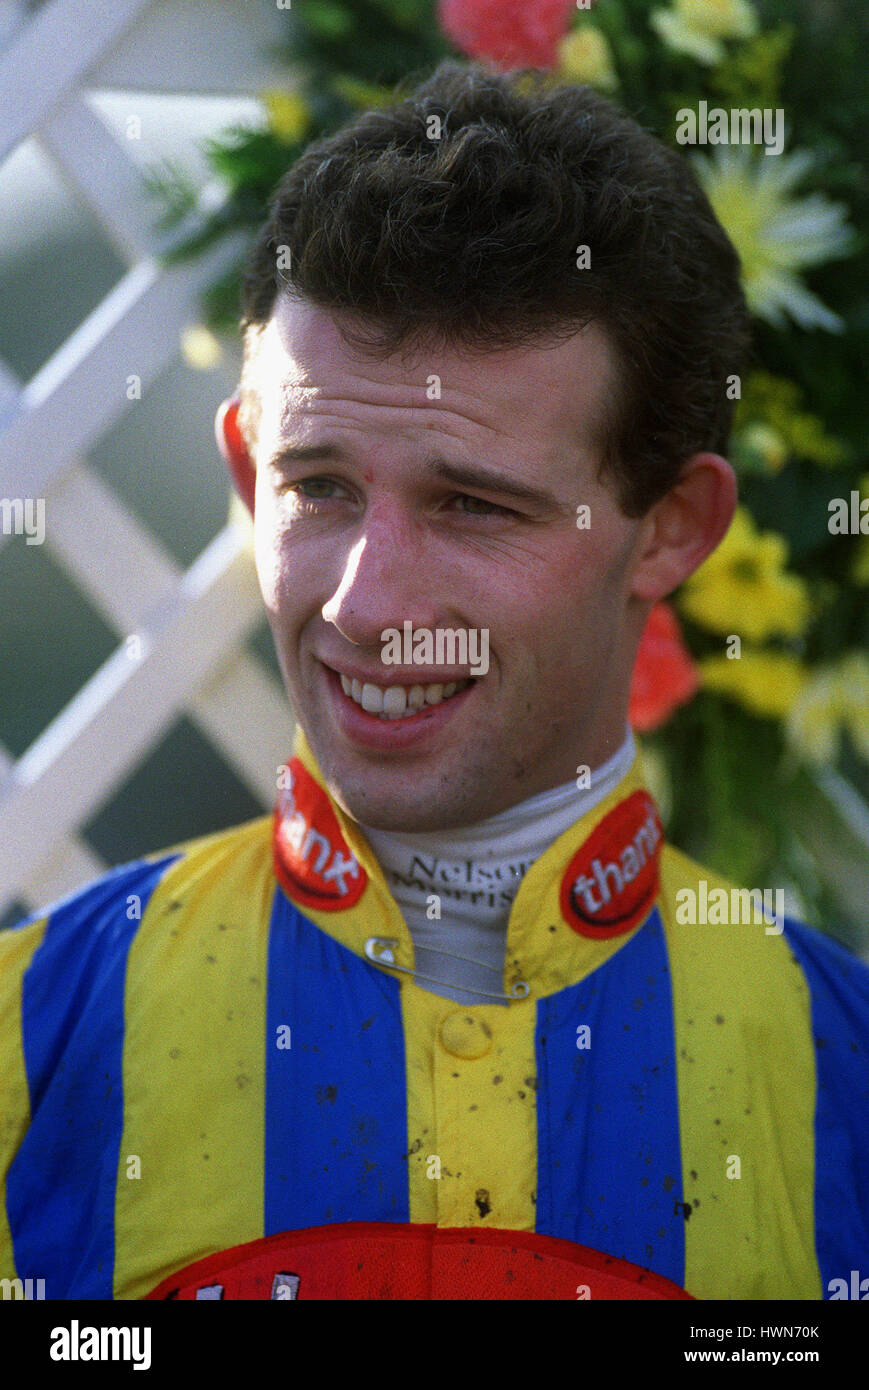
{"x": 774, "y": 234}
{"x": 697, "y": 27}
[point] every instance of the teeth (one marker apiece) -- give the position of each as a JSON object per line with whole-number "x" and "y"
{"x": 394, "y": 700}
{"x": 372, "y": 699}
{"x": 398, "y": 701}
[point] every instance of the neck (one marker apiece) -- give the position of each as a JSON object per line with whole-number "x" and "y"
{"x": 456, "y": 887}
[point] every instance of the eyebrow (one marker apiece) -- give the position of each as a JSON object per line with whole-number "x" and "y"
{"x": 488, "y": 480}
{"x": 469, "y": 475}
{"x": 309, "y": 453}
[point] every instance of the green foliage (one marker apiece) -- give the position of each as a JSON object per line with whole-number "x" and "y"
{"x": 753, "y": 73}
{"x": 378, "y": 41}
{"x": 173, "y": 190}
{"x": 776, "y": 402}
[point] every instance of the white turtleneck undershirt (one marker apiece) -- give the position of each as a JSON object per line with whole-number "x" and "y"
{"x": 475, "y": 872}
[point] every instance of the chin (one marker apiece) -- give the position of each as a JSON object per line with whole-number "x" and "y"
{"x": 401, "y": 810}
{"x": 381, "y": 813}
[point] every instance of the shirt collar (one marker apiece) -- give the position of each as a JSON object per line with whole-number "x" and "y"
{"x": 577, "y": 905}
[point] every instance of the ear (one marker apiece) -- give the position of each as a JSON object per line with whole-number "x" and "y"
{"x": 231, "y": 444}
{"x": 684, "y": 526}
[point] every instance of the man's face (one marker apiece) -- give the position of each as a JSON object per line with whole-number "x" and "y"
{"x": 457, "y": 511}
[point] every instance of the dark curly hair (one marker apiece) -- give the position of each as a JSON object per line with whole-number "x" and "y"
{"x": 468, "y": 236}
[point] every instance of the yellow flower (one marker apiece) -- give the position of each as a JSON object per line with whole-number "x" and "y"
{"x": 743, "y": 589}
{"x": 775, "y": 235}
{"x": 836, "y": 698}
{"x": 767, "y": 683}
{"x": 697, "y": 27}
{"x": 200, "y": 349}
{"x": 768, "y": 444}
{"x": 289, "y": 115}
{"x": 585, "y": 56}
{"x": 775, "y": 403}
{"x": 368, "y": 95}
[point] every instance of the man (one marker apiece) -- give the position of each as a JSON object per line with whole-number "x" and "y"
{"x": 437, "y": 1031}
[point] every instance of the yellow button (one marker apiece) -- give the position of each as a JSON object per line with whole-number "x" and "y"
{"x": 465, "y": 1036}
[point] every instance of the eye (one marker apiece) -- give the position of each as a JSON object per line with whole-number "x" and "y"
{"x": 478, "y": 506}
{"x": 309, "y": 495}
{"x": 317, "y": 489}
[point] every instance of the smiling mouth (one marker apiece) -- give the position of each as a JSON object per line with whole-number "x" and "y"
{"x": 399, "y": 701}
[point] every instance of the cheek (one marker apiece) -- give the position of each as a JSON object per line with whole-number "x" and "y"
{"x": 569, "y": 607}
{"x": 271, "y": 551}
{"x": 600, "y": 559}
{"x": 581, "y": 573}
{"x": 267, "y": 563}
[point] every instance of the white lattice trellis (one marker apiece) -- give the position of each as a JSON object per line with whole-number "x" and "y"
{"x": 189, "y": 627}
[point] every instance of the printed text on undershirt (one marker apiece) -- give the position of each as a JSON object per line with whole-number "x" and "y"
{"x": 471, "y": 876}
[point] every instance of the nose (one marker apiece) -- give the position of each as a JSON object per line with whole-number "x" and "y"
{"x": 385, "y": 580}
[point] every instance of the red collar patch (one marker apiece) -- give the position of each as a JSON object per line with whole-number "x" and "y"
{"x": 611, "y": 882}
{"x": 313, "y": 861}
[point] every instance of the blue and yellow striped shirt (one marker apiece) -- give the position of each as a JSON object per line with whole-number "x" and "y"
{"x": 195, "y": 1052}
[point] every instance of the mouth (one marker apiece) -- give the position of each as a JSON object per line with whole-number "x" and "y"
{"x": 397, "y": 717}
{"x": 393, "y": 702}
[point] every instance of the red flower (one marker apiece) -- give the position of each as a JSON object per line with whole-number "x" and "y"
{"x": 664, "y": 674}
{"x": 510, "y": 33}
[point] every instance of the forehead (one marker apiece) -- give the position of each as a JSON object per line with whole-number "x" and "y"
{"x": 305, "y": 366}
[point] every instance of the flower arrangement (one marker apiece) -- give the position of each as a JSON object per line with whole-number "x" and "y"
{"x": 510, "y": 33}
{"x": 754, "y": 701}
